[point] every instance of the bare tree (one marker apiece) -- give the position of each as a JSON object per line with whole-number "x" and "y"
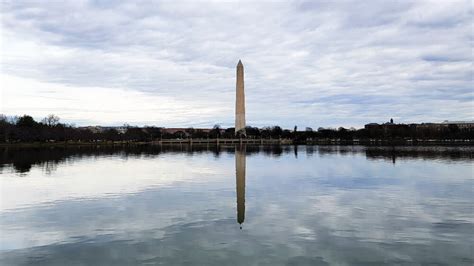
{"x": 216, "y": 130}
{"x": 51, "y": 120}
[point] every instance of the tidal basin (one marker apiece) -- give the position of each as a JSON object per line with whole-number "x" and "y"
{"x": 237, "y": 205}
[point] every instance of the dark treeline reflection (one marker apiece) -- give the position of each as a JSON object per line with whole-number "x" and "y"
{"x": 22, "y": 159}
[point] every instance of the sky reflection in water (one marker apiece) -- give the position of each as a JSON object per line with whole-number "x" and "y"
{"x": 309, "y": 205}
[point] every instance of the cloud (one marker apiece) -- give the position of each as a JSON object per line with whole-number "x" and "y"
{"x": 104, "y": 106}
{"x": 413, "y": 55}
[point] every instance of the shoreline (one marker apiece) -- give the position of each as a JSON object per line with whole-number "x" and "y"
{"x": 335, "y": 142}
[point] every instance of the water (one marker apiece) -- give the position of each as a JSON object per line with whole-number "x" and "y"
{"x": 180, "y": 205}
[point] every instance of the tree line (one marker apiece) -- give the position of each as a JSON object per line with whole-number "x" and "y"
{"x": 50, "y": 129}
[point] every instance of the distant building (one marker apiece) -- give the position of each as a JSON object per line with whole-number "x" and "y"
{"x": 185, "y": 131}
{"x": 100, "y": 129}
{"x": 93, "y": 129}
{"x": 121, "y": 130}
{"x": 172, "y": 130}
{"x": 446, "y": 124}
{"x": 462, "y": 125}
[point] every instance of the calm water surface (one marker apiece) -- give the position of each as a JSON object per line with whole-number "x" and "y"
{"x": 180, "y": 205}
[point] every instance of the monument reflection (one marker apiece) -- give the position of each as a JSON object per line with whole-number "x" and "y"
{"x": 240, "y": 154}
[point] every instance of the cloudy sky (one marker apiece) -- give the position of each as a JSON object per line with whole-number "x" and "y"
{"x": 172, "y": 63}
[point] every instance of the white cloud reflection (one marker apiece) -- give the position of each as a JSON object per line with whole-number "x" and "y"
{"x": 96, "y": 178}
{"x": 308, "y": 208}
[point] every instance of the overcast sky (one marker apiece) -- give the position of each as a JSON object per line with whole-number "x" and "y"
{"x": 307, "y": 63}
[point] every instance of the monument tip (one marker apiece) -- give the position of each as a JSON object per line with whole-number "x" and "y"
{"x": 240, "y": 63}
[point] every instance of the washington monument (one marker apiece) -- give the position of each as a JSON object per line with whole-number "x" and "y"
{"x": 240, "y": 101}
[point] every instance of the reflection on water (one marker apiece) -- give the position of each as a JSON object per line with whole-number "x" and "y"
{"x": 240, "y": 182}
{"x": 177, "y": 205}
{"x": 22, "y": 159}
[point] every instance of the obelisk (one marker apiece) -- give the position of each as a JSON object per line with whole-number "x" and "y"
{"x": 240, "y": 101}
